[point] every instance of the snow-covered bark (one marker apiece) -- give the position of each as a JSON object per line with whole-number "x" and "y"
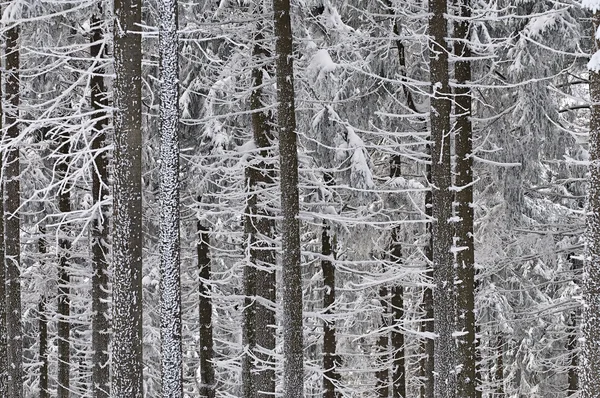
{"x": 443, "y": 272}
{"x": 100, "y": 225}
{"x": 127, "y": 191}
{"x": 293, "y": 367}
{"x": 465, "y": 255}
{"x": 12, "y": 220}
{"x": 3, "y": 347}
{"x": 170, "y": 302}
{"x": 590, "y": 363}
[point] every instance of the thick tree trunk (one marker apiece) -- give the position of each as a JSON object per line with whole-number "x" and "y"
{"x": 330, "y": 357}
{"x": 127, "y": 242}
{"x": 443, "y": 261}
{"x": 293, "y": 368}
{"x": 590, "y": 371}
{"x": 100, "y": 224}
{"x": 259, "y": 275}
{"x": 64, "y": 306}
{"x": 12, "y": 221}
{"x": 170, "y": 264}
{"x": 207, "y": 372}
{"x": 465, "y": 257}
{"x": 43, "y": 324}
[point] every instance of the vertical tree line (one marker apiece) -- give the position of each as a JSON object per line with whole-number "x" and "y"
{"x": 256, "y": 204}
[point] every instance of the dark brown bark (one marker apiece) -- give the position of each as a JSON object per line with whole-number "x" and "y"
{"x": 12, "y": 221}
{"x": 207, "y": 372}
{"x": 443, "y": 260}
{"x": 43, "y": 325}
{"x": 293, "y": 368}
{"x": 127, "y": 365}
{"x": 330, "y": 358}
{"x": 100, "y": 224}
{"x": 465, "y": 257}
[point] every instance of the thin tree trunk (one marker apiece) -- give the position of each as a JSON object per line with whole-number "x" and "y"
{"x": 572, "y": 342}
{"x": 43, "y": 324}
{"x": 383, "y": 374}
{"x": 465, "y": 257}
{"x": 330, "y": 357}
{"x": 3, "y": 331}
{"x": 127, "y": 242}
{"x": 427, "y": 325}
{"x": 590, "y": 372}
{"x": 443, "y": 261}
{"x": 12, "y": 222}
{"x": 397, "y": 338}
{"x": 499, "y": 376}
{"x": 100, "y": 224}
{"x": 207, "y": 373}
{"x": 170, "y": 264}
{"x": 64, "y": 324}
{"x": 293, "y": 367}
{"x": 249, "y": 312}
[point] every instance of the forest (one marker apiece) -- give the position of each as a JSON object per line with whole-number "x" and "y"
{"x": 300, "y": 198}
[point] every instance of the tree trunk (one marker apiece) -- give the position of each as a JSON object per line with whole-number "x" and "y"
{"x": 590, "y": 372}
{"x": 43, "y": 324}
{"x": 443, "y": 261}
{"x": 383, "y": 341}
{"x": 64, "y": 324}
{"x": 207, "y": 373}
{"x": 127, "y": 244}
{"x": 330, "y": 357}
{"x": 293, "y": 368}
{"x": 12, "y": 221}
{"x": 259, "y": 275}
{"x": 397, "y": 338}
{"x": 170, "y": 264}
{"x": 3, "y": 331}
{"x": 427, "y": 325}
{"x": 499, "y": 376}
{"x": 100, "y": 224}
{"x": 465, "y": 257}
{"x": 572, "y": 342}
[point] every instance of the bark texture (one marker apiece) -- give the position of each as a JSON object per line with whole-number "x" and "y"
{"x": 43, "y": 325}
{"x": 590, "y": 355}
{"x": 64, "y": 244}
{"x": 127, "y": 238}
{"x": 170, "y": 264}
{"x": 465, "y": 257}
{"x": 207, "y": 372}
{"x": 443, "y": 273}
{"x": 293, "y": 373}
{"x": 100, "y": 223}
{"x": 12, "y": 220}
{"x": 259, "y": 274}
{"x": 331, "y": 360}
